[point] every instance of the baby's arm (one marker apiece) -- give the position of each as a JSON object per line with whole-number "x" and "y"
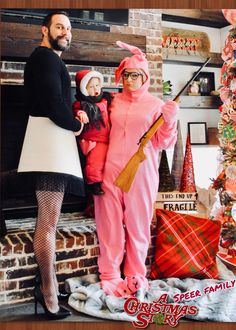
{"x": 78, "y": 113}
{"x": 82, "y": 116}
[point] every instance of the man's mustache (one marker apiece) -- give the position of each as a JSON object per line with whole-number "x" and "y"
{"x": 68, "y": 40}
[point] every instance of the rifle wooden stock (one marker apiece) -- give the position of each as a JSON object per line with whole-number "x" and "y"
{"x": 126, "y": 177}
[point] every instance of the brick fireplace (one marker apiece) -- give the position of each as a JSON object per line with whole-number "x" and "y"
{"x": 77, "y": 244}
{"x": 77, "y": 249}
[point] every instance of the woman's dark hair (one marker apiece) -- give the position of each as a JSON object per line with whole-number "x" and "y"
{"x": 47, "y": 19}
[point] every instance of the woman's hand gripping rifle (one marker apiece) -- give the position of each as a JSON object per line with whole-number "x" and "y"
{"x": 126, "y": 177}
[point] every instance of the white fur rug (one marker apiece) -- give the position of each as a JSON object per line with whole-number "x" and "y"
{"x": 215, "y": 302}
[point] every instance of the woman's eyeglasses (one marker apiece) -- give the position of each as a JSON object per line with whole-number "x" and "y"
{"x": 133, "y": 75}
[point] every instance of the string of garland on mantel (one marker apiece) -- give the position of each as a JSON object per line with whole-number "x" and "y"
{"x": 225, "y": 183}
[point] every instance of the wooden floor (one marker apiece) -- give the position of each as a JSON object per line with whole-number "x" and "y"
{"x": 110, "y": 326}
{"x": 22, "y": 317}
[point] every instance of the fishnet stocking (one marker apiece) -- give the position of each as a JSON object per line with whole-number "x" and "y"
{"x": 49, "y": 208}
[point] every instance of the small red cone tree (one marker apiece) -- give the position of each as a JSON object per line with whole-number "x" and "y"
{"x": 187, "y": 183}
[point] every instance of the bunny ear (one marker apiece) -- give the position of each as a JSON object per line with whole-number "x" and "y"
{"x": 119, "y": 70}
{"x": 132, "y": 49}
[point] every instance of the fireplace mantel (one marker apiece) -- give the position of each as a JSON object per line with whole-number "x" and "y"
{"x": 18, "y": 41}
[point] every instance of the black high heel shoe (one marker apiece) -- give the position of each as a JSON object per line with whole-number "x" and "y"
{"x": 61, "y": 296}
{"x": 38, "y": 297}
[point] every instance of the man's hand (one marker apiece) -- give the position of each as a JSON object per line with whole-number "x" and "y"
{"x": 79, "y": 132}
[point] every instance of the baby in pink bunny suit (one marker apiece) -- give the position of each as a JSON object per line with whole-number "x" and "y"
{"x": 123, "y": 219}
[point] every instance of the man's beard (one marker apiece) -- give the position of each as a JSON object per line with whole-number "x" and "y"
{"x": 54, "y": 42}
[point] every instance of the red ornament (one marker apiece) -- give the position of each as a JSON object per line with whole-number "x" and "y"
{"x": 227, "y": 52}
{"x": 225, "y": 243}
{"x": 230, "y": 15}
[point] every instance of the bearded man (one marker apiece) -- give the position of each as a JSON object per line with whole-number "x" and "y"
{"x": 49, "y": 154}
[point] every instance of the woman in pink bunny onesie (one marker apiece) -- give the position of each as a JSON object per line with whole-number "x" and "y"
{"x": 123, "y": 219}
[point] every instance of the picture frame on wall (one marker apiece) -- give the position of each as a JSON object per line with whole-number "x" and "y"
{"x": 206, "y": 82}
{"x": 198, "y": 133}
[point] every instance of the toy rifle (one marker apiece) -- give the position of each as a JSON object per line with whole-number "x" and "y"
{"x": 126, "y": 177}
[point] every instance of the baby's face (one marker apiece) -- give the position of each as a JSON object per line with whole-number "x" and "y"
{"x": 94, "y": 87}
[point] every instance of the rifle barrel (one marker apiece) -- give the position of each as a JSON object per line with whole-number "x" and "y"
{"x": 193, "y": 77}
{"x": 180, "y": 92}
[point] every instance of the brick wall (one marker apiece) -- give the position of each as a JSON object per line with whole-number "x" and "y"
{"x": 12, "y": 73}
{"x": 77, "y": 250}
{"x": 77, "y": 244}
{"x": 76, "y": 254}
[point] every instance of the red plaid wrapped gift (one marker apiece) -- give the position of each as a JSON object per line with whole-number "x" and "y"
{"x": 186, "y": 246}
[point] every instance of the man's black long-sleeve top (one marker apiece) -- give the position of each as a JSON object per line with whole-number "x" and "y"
{"x": 48, "y": 88}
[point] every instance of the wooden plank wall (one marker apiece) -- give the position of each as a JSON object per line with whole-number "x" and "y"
{"x": 19, "y": 40}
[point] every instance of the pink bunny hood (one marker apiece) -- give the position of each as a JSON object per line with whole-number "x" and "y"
{"x": 137, "y": 61}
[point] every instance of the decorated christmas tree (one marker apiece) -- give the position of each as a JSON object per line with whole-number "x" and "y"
{"x": 225, "y": 183}
{"x": 187, "y": 183}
